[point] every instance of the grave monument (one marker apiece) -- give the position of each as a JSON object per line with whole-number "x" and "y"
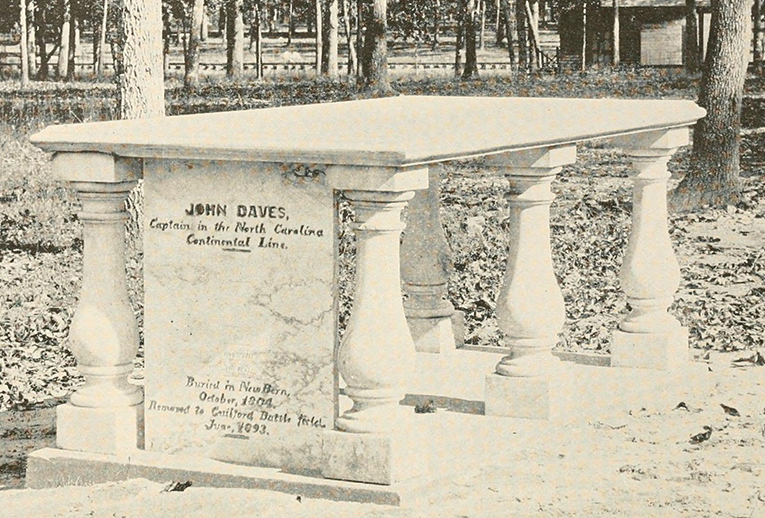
{"x": 244, "y": 371}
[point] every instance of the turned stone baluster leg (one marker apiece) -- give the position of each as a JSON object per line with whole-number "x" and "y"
{"x": 649, "y": 337}
{"x": 105, "y": 414}
{"x": 376, "y": 357}
{"x": 530, "y": 309}
{"x": 426, "y": 264}
{"x": 374, "y": 440}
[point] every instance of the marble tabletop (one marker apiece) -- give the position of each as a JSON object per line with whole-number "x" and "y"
{"x": 396, "y": 131}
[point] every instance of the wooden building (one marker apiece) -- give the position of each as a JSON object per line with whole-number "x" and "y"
{"x": 650, "y": 32}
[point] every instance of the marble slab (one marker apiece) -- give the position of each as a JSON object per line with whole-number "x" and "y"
{"x": 395, "y": 131}
{"x": 240, "y": 312}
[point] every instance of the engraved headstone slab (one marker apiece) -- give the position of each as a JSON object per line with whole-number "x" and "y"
{"x": 240, "y": 325}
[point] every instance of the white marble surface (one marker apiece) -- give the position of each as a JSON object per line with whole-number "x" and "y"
{"x": 239, "y": 338}
{"x": 395, "y": 131}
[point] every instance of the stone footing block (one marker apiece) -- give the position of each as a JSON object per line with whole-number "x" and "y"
{"x": 384, "y": 458}
{"x": 99, "y": 430}
{"x": 661, "y": 351}
{"x": 458, "y": 325}
{"x": 540, "y": 397}
{"x": 432, "y": 335}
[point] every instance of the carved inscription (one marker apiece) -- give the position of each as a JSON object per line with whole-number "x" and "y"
{"x": 242, "y": 409}
{"x": 242, "y": 228}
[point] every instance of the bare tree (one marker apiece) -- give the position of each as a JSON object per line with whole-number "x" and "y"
{"x": 757, "y": 34}
{"x": 459, "y": 41}
{"x": 532, "y": 18}
{"x": 74, "y": 38}
{"x": 374, "y": 59}
{"x": 234, "y": 38}
{"x": 471, "y": 17}
{"x": 318, "y": 41}
{"x": 713, "y": 178}
{"x": 290, "y": 21}
{"x": 692, "y": 57}
{"x": 352, "y": 59}
{"x": 191, "y": 76}
{"x": 31, "y": 37}
{"x": 616, "y": 39}
{"x": 329, "y": 38}
{"x": 482, "y": 33}
{"x": 510, "y": 29}
{"x": 102, "y": 41}
{"x": 142, "y": 89}
{"x": 23, "y": 42}
{"x": 257, "y": 28}
{"x": 521, "y": 25}
{"x": 66, "y": 28}
{"x": 331, "y": 23}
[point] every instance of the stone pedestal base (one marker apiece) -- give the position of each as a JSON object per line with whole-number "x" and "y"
{"x": 52, "y": 467}
{"x": 99, "y": 430}
{"x": 377, "y": 458}
{"x": 539, "y": 397}
{"x": 662, "y": 351}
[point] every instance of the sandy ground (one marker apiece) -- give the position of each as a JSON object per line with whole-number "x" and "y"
{"x": 636, "y": 462}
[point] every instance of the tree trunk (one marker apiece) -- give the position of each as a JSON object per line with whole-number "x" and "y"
{"x": 183, "y": 30}
{"x": 713, "y": 177}
{"x": 167, "y": 30}
{"x": 332, "y": 42}
{"x": 374, "y": 61}
{"x": 460, "y": 39}
{"x": 436, "y": 23}
{"x": 757, "y": 35}
{"x": 584, "y": 34}
{"x": 195, "y": 38}
{"x": 272, "y": 19}
{"x": 142, "y": 89}
{"x": 498, "y": 21}
{"x": 102, "y": 41}
{"x": 348, "y": 38}
{"x": 616, "y": 40}
{"x": 532, "y": 15}
{"x": 523, "y": 39}
{"x": 310, "y": 21}
{"x": 74, "y": 33}
{"x": 42, "y": 44}
{"x": 23, "y": 43}
{"x": 31, "y": 38}
{"x": 234, "y": 39}
{"x": 702, "y": 50}
{"x": 691, "y": 57}
{"x": 329, "y": 39}
{"x": 319, "y": 39}
{"x": 510, "y": 29}
{"x": 359, "y": 38}
{"x": 252, "y": 31}
{"x": 63, "y": 53}
{"x": 258, "y": 23}
{"x": 471, "y": 17}
{"x": 482, "y": 33}
{"x": 291, "y": 22}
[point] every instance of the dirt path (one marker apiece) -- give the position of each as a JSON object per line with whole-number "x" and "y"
{"x": 639, "y": 463}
